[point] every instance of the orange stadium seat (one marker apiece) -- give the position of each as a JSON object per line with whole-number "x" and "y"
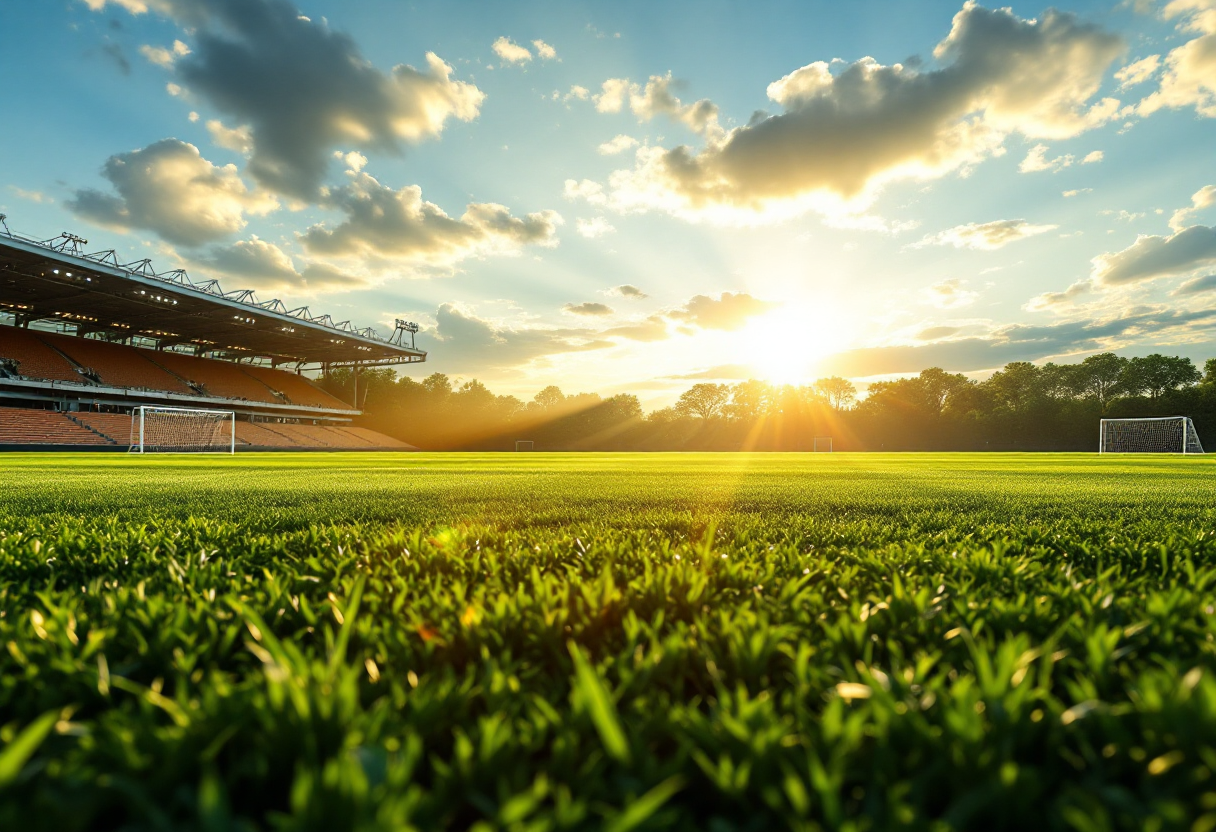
{"x": 116, "y": 426}
{"x": 21, "y": 426}
{"x": 34, "y": 358}
{"x": 218, "y": 378}
{"x": 297, "y": 389}
{"x": 117, "y": 364}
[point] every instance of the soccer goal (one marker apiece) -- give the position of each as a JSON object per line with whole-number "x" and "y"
{"x": 1162, "y": 435}
{"x": 823, "y": 444}
{"x": 182, "y": 430}
{"x": 523, "y": 444}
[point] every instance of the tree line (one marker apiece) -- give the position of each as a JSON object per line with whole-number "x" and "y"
{"x": 1022, "y": 406}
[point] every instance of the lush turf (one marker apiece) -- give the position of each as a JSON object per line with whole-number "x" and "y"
{"x": 539, "y": 642}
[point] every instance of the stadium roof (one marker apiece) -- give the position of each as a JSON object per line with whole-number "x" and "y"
{"x": 56, "y": 280}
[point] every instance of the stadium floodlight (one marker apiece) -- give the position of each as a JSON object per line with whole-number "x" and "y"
{"x": 823, "y": 444}
{"x": 182, "y": 430}
{"x": 1159, "y": 435}
{"x": 523, "y": 444}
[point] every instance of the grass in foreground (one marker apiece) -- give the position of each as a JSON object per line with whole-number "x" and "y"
{"x": 541, "y": 642}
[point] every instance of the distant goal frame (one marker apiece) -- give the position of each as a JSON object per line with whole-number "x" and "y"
{"x": 822, "y": 445}
{"x": 214, "y": 442}
{"x": 522, "y": 445}
{"x": 1114, "y": 436}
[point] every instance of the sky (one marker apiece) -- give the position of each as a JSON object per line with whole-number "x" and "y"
{"x": 632, "y": 197}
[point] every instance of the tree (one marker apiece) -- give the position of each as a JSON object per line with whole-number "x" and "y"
{"x": 939, "y": 386}
{"x": 749, "y": 400}
{"x": 1101, "y": 376}
{"x": 1156, "y": 374}
{"x": 839, "y": 392}
{"x": 550, "y": 398}
{"x": 1209, "y": 372}
{"x": 704, "y": 400}
{"x": 1016, "y": 386}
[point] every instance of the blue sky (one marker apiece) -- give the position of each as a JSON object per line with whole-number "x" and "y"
{"x": 626, "y": 197}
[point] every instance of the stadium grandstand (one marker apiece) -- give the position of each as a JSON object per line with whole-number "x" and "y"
{"x": 86, "y": 339}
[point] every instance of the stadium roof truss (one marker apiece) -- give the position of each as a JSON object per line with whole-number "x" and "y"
{"x": 56, "y": 280}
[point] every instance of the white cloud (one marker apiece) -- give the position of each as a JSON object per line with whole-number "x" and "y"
{"x": 1189, "y": 75}
{"x": 387, "y": 228}
{"x": 614, "y": 93}
{"x": 32, "y": 196}
{"x": 239, "y": 139}
{"x": 729, "y": 311}
{"x": 1205, "y": 197}
{"x": 986, "y": 236}
{"x": 1153, "y": 256}
{"x": 591, "y": 191}
{"x": 576, "y": 93}
{"x": 657, "y": 99}
{"x": 169, "y": 188}
{"x": 595, "y": 227}
{"x": 590, "y": 308}
{"x": 511, "y": 52}
{"x": 303, "y": 88}
{"x": 1036, "y": 160}
{"x": 1092, "y": 157}
{"x": 1076, "y": 191}
{"x": 618, "y": 144}
{"x": 1138, "y": 72}
{"x": 544, "y": 50}
{"x": 950, "y": 294}
{"x": 1052, "y": 300}
{"x": 627, "y": 290}
{"x": 354, "y": 160}
{"x": 163, "y": 57}
{"x": 842, "y": 135}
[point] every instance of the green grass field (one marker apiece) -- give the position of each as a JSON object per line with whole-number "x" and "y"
{"x": 542, "y": 642}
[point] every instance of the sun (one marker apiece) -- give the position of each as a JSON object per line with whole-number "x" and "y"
{"x": 785, "y": 345}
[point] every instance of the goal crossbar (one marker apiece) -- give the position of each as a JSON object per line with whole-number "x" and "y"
{"x": 156, "y": 429}
{"x": 1150, "y": 435}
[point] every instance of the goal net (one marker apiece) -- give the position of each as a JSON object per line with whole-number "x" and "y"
{"x": 523, "y": 444}
{"x": 823, "y": 444}
{"x": 182, "y": 430}
{"x": 1164, "y": 435}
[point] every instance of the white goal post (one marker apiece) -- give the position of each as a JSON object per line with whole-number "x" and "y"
{"x": 182, "y": 430}
{"x": 1159, "y": 435}
{"x": 523, "y": 444}
{"x": 823, "y": 444}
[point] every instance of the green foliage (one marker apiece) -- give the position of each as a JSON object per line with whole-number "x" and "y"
{"x": 545, "y": 642}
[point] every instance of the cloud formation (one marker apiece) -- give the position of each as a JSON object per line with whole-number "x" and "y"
{"x": 301, "y": 88}
{"x": 169, "y": 188}
{"x": 627, "y": 290}
{"x": 1051, "y": 300}
{"x": 950, "y": 294}
{"x": 511, "y": 52}
{"x": 259, "y": 264}
{"x": 468, "y": 342}
{"x": 1188, "y": 78}
{"x": 1205, "y": 197}
{"x": 594, "y": 227}
{"x": 618, "y": 144}
{"x": 1020, "y": 342}
{"x": 842, "y": 135}
{"x": 1153, "y": 256}
{"x": 987, "y": 236}
{"x": 398, "y": 227}
{"x": 591, "y": 308}
{"x": 729, "y": 311}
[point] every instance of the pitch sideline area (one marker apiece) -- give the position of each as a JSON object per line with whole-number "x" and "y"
{"x": 689, "y": 641}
